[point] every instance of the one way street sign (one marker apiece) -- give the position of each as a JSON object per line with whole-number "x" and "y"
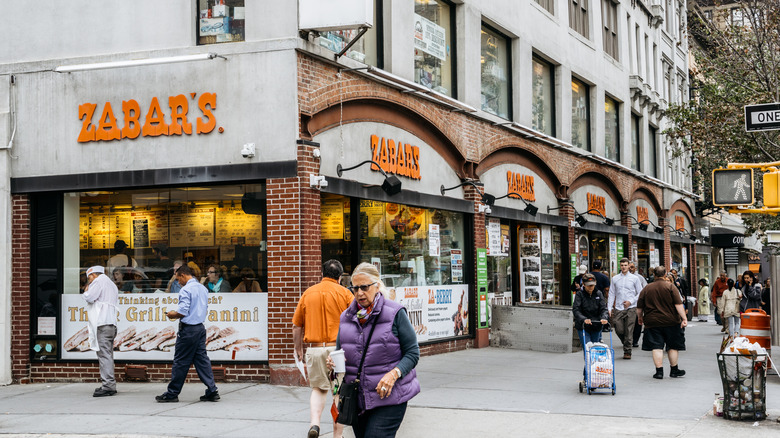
{"x": 764, "y": 117}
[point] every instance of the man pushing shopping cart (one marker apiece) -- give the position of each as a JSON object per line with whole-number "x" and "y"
{"x": 590, "y": 318}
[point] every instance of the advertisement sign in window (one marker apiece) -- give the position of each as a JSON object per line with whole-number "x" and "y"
{"x": 430, "y": 37}
{"x": 436, "y": 312}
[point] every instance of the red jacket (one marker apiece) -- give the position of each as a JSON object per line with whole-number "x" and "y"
{"x": 718, "y": 287}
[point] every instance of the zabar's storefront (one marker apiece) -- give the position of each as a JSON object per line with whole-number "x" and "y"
{"x": 133, "y": 173}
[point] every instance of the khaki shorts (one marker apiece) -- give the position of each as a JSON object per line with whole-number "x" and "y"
{"x": 317, "y": 368}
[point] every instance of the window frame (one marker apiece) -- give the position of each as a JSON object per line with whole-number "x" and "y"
{"x": 540, "y": 60}
{"x": 636, "y": 140}
{"x": 609, "y": 18}
{"x": 579, "y": 21}
{"x": 616, "y": 145}
{"x": 508, "y": 40}
{"x": 197, "y": 26}
{"x": 453, "y": 44}
{"x": 588, "y": 140}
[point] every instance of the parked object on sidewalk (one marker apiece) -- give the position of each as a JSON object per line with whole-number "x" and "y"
{"x": 755, "y": 327}
{"x": 744, "y": 385}
{"x": 599, "y": 367}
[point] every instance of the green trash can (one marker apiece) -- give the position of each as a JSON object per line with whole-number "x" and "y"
{"x": 744, "y": 385}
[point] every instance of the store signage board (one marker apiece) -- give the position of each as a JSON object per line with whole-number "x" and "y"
{"x": 597, "y": 204}
{"x": 430, "y": 37}
{"x": 763, "y": 117}
{"x": 436, "y": 312}
{"x": 731, "y": 256}
{"x": 520, "y": 186}
{"x": 395, "y": 157}
{"x": 238, "y": 320}
{"x": 732, "y": 187}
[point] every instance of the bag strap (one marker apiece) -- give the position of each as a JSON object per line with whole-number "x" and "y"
{"x": 365, "y": 350}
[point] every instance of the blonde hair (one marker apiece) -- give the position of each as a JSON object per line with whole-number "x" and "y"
{"x": 371, "y": 272}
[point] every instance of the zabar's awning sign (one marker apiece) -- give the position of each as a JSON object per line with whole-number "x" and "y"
{"x": 103, "y": 125}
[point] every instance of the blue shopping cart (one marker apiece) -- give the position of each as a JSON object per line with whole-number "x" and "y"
{"x": 599, "y": 367}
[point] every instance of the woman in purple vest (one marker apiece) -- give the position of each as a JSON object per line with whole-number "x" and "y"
{"x": 388, "y": 380}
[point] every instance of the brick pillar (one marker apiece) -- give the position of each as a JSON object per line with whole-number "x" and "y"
{"x": 628, "y": 252}
{"x": 667, "y": 261}
{"x": 20, "y": 289}
{"x": 471, "y": 194}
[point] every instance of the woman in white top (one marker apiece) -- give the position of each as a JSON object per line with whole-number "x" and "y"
{"x": 728, "y": 306}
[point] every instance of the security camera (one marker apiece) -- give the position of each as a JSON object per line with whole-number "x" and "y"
{"x": 248, "y": 151}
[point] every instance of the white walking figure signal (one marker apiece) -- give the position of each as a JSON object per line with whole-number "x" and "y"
{"x": 741, "y": 184}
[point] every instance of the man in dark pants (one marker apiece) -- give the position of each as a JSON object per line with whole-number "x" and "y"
{"x": 191, "y": 339}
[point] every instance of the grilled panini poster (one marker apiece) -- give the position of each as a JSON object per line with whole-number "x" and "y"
{"x": 436, "y": 312}
{"x": 236, "y": 327}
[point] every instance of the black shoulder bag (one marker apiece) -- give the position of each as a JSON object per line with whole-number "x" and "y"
{"x": 348, "y": 393}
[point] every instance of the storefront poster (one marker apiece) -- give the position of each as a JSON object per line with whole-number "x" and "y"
{"x": 684, "y": 257}
{"x": 494, "y": 237}
{"x": 430, "y": 37}
{"x": 434, "y": 245}
{"x": 332, "y": 220}
{"x": 106, "y": 228}
{"x": 546, "y": 239}
{"x": 613, "y": 254}
{"x": 404, "y": 221}
{"x": 47, "y": 325}
{"x": 456, "y": 265}
{"x": 237, "y": 327}
{"x": 436, "y": 312}
{"x": 530, "y": 265}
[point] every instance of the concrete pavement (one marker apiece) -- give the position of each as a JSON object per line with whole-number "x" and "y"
{"x": 478, "y": 393}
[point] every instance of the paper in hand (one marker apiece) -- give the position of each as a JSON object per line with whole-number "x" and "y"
{"x": 299, "y": 364}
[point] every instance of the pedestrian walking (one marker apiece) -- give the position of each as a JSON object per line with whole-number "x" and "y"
{"x": 704, "y": 300}
{"x": 191, "y": 339}
{"x": 601, "y": 279}
{"x": 388, "y": 379}
{"x": 660, "y": 309}
{"x": 102, "y": 299}
{"x": 729, "y": 307}
{"x": 576, "y": 284}
{"x": 718, "y": 286}
{"x": 316, "y": 326}
{"x": 766, "y": 296}
{"x": 643, "y": 283}
{"x": 622, "y": 305}
{"x": 590, "y": 314}
{"x": 751, "y": 292}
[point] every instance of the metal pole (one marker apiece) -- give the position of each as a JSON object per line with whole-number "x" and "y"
{"x": 774, "y": 265}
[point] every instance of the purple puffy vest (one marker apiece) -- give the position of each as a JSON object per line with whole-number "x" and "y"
{"x": 383, "y": 354}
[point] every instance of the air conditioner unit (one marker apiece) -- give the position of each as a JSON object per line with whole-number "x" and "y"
{"x": 335, "y": 14}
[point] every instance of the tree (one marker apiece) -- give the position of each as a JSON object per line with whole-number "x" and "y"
{"x": 736, "y": 63}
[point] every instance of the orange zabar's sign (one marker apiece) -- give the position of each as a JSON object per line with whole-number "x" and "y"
{"x": 642, "y": 215}
{"x": 597, "y": 203}
{"x": 520, "y": 186}
{"x": 154, "y": 124}
{"x": 398, "y": 158}
{"x": 679, "y": 223}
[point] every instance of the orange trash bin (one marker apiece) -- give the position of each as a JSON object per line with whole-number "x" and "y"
{"x": 754, "y": 325}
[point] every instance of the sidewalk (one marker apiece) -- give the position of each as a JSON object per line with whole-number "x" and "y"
{"x": 488, "y": 392}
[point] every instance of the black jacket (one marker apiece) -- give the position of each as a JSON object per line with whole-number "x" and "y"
{"x": 593, "y": 307}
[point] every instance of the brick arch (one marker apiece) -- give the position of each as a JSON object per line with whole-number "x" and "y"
{"x": 389, "y": 113}
{"x": 683, "y": 208}
{"x": 649, "y": 196}
{"x": 516, "y": 155}
{"x": 602, "y": 181}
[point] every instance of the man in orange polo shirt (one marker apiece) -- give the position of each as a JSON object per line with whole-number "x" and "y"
{"x": 316, "y": 325}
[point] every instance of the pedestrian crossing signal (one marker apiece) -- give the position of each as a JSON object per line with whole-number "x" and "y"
{"x": 732, "y": 187}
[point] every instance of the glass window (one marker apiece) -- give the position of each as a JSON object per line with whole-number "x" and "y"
{"x": 611, "y": 129}
{"x": 543, "y": 102}
{"x": 652, "y": 137}
{"x": 495, "y": 73}
{"x": 636, "y": 150}
{"x": 580, "y": 114}
{"x": 540, "y": 264}
{"x": 578, "y": 17}
{"x": 609, "y": 19}
{"x": 548, "y": 5}
{"x": 433, "y": 45}
{"x": 139, "y": 234}
{"x": 499, "y": 262}
{"x": 220, "y": 21}
{"x": 366, "y": 49}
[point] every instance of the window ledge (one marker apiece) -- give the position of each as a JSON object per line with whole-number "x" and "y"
{"x": 582, "y": 39}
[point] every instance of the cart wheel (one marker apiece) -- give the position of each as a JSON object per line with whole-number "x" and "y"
{"x": 581, "y": 387}
{"x": 613, "y": 391}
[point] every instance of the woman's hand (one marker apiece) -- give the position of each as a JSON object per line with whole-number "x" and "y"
{"x": 329, "y": 363}
{"x": 588, "y": 322}
{"x": 385, "y": 386}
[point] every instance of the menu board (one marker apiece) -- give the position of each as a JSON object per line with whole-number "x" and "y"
{"x": 236, "y": 227}
{"x": 154, "y": 231}
{"x": 192, "y": 228}
{"x": 140, "y": 233}
{"x": 107, "y": 228}
{"x": 84, "y": 231}
{"x": 332, "y": 220}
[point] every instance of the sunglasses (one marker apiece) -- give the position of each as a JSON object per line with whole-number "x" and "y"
{"x": 363, "y": 287}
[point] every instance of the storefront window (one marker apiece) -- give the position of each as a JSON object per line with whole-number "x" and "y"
{"x": 336, "y": 229}
{"x": 499, "y": 262}
{"x": 542, "y": 100}
{"x": 220, "y": 21}
{"x": 495, "y": 73}
{"x": 580, "y": 114}
{"x": 433, "y": 45}
{"x": 138, "y": 234}
{"x": 366, "y": 49}
{"x": 611, "y": 129}
{"x": 540, "y": 264}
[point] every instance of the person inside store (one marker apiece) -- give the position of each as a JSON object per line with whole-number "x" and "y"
{"x": 412, "y": 279}
{"x": 602, "y": 280}
{"x": 189, "y": 259}
{"x": 576, "y": 285}
{"x": 118, "y": 276}
{"x": 248, "y": 282}
{"x": 173, "y": 286}
{"x": 704, "y": 300}
{"x": 120, "y": 259}
{"x": 718, "y": 287}
{"x": 164, "y": 264}
{"x": 751, "y": 292}
{"x": 214, "y": 281}
{"x": 765, "y": 296}
{"x": 590, "y": 313}
{"x": 728, "y": 306}
{"x": 388, "y": 380}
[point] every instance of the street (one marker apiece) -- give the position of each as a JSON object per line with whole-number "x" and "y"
{"x": 478, "y": 393}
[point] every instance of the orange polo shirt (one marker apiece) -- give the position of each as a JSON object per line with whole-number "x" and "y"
{"x": 319, "y": 310}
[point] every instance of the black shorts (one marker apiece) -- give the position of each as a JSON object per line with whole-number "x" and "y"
{"x": 654, "y": 338}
